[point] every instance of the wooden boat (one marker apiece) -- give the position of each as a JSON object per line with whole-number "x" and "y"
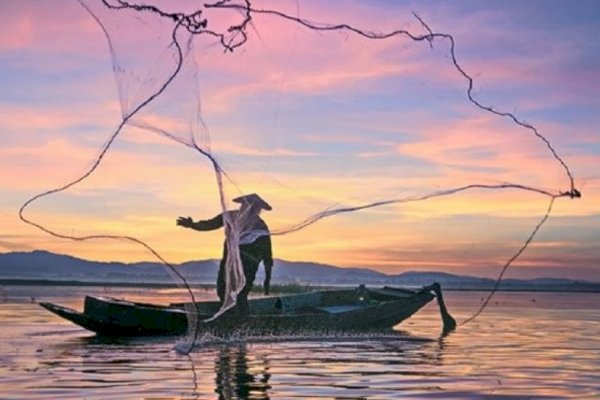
{"x": 359, "y": 309}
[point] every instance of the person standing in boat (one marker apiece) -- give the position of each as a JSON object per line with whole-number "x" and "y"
{"x": 254, "y": 239}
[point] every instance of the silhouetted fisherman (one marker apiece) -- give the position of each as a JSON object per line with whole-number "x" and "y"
{"x": 255, "y": 244}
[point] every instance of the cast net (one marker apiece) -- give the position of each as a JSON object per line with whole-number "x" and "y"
{"x": 322, "y": 119}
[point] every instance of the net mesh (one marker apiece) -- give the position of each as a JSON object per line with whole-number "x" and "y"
{"x": 241, "y": 57}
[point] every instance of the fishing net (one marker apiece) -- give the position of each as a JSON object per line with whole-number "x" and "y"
{"x": 322, "y": 119}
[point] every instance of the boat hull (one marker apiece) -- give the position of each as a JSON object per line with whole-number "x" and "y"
{"x": 358, "y": 309}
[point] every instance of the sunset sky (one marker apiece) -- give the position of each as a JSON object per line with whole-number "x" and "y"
{"x": 310, "y": 120}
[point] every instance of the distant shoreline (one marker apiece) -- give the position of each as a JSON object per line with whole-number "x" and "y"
{"x": 165, "y": 285}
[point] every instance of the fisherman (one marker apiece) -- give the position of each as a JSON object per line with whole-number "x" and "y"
{"x": 255, "y": 244}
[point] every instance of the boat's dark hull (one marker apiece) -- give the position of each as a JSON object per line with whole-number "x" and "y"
{"x": 113, "y": 317}
{"x": 340, "y": 310}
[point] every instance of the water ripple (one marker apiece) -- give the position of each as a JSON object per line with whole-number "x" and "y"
{"x": 521, "y": 351}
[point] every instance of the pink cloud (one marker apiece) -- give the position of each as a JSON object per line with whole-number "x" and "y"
{"x": 233, "y": 148}
{"x": 22, "y": 122}
{"x": 485, "y": 142}
{"x": 47, "y": 27}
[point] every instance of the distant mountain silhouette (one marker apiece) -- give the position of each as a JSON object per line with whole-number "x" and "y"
{"x": 43, "y": 265}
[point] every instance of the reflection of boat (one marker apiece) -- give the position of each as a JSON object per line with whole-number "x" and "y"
{"x": 332, "y": 310}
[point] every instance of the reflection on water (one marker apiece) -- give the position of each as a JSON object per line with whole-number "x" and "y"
{"x": 529, "y": 345}
{"x": 237, "y": 377}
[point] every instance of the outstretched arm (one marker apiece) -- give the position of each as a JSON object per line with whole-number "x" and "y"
{"x": 206, "y": 225}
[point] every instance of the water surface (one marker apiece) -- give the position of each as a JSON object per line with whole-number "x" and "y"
{"x": 525, "y": 345}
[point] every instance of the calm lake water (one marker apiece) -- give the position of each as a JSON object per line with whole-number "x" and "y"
{"x": 525, "y": 345}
